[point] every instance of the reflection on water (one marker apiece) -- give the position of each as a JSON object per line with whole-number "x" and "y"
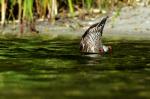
{"x": 40, "y": 68}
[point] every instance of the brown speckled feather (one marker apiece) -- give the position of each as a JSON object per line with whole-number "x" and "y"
{"x": 91, "y": 39}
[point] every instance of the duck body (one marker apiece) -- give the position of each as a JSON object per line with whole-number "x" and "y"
{"x": 90, "y": 45}
{"x": 91, "y": 41}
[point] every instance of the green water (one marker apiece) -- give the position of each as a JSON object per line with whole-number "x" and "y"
{"x": 54, "y": 69}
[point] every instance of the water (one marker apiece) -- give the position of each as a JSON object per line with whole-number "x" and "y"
{"x": 43, "y": 69}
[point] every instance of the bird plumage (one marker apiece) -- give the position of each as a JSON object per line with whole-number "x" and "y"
{"x": 91, "y": 39}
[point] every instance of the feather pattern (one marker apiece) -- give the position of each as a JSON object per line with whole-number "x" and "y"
{"x": 91, "y": 39}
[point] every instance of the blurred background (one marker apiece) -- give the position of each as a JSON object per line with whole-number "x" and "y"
{"x": 53, "y": 9}
{"x": 36, "y": 16}
{"x": 12, "y": 10}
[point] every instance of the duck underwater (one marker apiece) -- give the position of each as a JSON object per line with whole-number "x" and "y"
{"x": 91, "y": 41}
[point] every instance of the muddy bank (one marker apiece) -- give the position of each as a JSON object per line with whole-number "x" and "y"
{"x": 132, "y": 23}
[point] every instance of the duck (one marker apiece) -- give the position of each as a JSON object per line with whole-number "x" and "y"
{"x": 91, "y": 40}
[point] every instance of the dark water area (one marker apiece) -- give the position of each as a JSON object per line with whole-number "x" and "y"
{"x": 54, "y": 68}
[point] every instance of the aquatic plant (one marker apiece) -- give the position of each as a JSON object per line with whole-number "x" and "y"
{"x": 43, "y": 9}
{"x": 88, "y": 4}
{"x": 28, "y": 10}
{"x": 71, "y": 8}
{"x": 3, "y": 11}
{"x": 12, "y": 3}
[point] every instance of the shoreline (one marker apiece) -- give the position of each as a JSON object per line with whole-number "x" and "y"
{"x": 132, "y": 23}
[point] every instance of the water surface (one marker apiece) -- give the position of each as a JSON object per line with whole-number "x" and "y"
{"x": 54, "y": 68}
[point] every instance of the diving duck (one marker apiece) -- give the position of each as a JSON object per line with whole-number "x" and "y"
{"x": 91, "y": 41}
